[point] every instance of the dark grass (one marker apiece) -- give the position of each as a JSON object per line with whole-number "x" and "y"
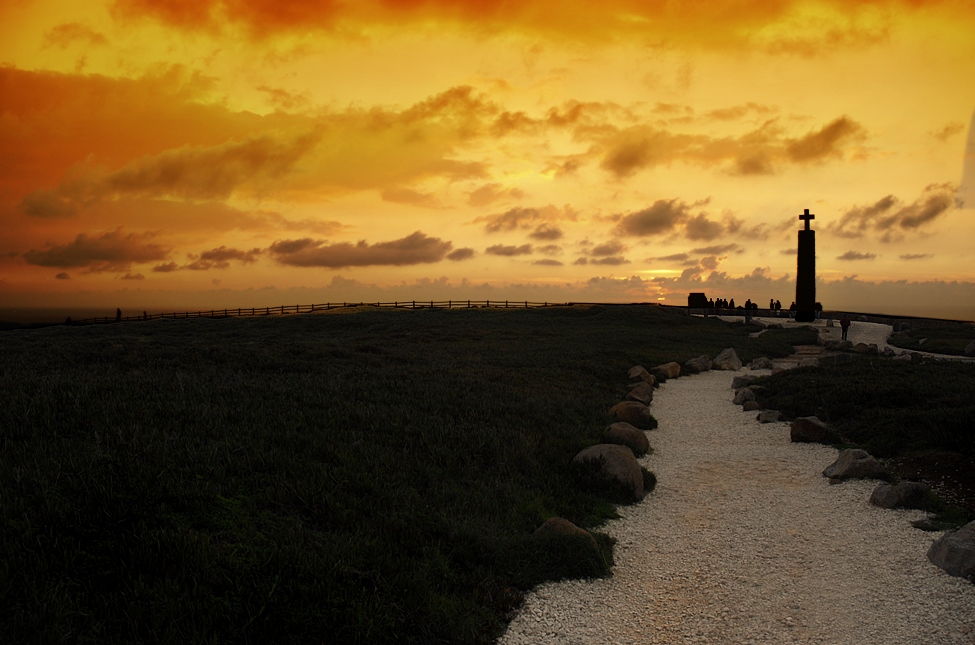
{"x": 939, "y": 338}
{"x": 916, "y": 416}
{"x": 372, "y": 476}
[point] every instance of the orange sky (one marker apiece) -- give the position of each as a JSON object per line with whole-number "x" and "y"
{"x": 216, "y": 153}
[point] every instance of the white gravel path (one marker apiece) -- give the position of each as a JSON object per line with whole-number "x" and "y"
{"x": 744, "y": 541}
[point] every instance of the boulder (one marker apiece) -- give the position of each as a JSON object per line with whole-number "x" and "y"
{"x": 970, "y": 349}
{"x": 861, "y": 348}
{"x": 634, "y": 413}
{"x": 617, "y": 466}
{"x": 955, "y": 552}
{"x": 750, "y": 406}
{"x": 743, "y": 395}
{"x": 697, "y": 365}
{"x": 810, "y": 430}
{"x": 625, "y": 434}
{"x": 727, "y": 360}
{"x": 769, "y": 416}
{"x": 669, "y": 370}
{"x": 854, "y": 463}
{"x": 743, "y": 381}
{"x": 762, "y": 363}
{"x": 642, "y": 393}
{"x": 639, "y": 373}
{"x": 902, "y": 358}
{"x": 902, "y": 495}
{"x": 554, "y": 526}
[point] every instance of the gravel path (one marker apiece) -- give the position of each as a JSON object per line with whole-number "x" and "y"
{"x": 744, "y": 541}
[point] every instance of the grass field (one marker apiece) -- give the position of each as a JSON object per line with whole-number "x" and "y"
{"x": 368, "y": 476}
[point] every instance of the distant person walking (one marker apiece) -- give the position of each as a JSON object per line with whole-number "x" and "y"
{"x": 118, "y": 315}
{"x": 845, "y": 325}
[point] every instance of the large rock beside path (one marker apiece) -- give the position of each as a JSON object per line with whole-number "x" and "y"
{"x": 902, "y": 495}
{"x": 743, "y": 381}
{"x": 743, "y": 395}
{"x": 557, "y": 526}
{"x": 634, "y": 413}
{"x": 955, "y": 552}
{"x": 641, "y": 393}
{"x": 625, "y": 434}
{"x": 617, "y": 466}
{"x": 667, "y": 370}
{"x": 697, "y": 365}
{"x": 727, "y": 360}
{"x": 640, "y": 373}
{"x": 810, "y": 430}
{"x": 854, "y": 463}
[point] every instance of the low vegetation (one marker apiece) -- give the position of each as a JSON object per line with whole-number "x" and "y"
{"x": 365, "y": 476}
{"x": 916, "y": 416}
{"x": 939, "y": 337}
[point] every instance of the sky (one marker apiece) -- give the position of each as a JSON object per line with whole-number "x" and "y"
{"x": 167, "y": 154}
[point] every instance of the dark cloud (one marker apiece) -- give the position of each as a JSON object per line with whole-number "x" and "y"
{"x": 509, "y": 250}
{"x": 169, "y": 267}
{"x": 66, "y": 34}
{"x": 581, "y": 261}
{"x": 490, "y": 193}
{"x": 132, "y": 276}
{"x": 220, "y": 258}
{"x": 549, "y": 249}
{"x": 111, "y": 251}
{"x": 457, "y": 255}
{"x": 662, "y": 217}
{"x": 546, "y": 232}
{"x": 825, "y": 142}
{"x": 948, "y": 131}
{"x": 916, "y": 256}
{"x": 717, "y": 249}
{"x": 738, "y": 111}
{"x": 548, "y": 262}
{"x": 676, "y": 257}
{"x": 700, "y": 227}
{"x": 417, "y": 248}
{"x": 888, "y": 217}
{"x": 510, "y": 219}
{"x": 856, "y": 255}
{"x": 62, "y": 276}
{"x": 612, "y": 247}
{"x": 792, "y": 251}
{"x": 410, "y": 197}
{"x": 46, "y": 203}
{"x": 614, "y": 260}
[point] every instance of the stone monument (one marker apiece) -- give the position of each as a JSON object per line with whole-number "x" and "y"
{"x": 806, "y": 272}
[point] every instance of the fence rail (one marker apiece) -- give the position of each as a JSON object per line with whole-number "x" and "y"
{"x": 284, "y": 310}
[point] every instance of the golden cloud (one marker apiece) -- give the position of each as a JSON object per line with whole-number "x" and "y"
{"x": 417, "y": 248}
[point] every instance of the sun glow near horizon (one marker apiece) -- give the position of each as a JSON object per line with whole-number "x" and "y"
{"x": 221, "y": 152}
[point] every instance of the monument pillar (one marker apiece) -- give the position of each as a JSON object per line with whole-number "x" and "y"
{"x": 806, "y": 272}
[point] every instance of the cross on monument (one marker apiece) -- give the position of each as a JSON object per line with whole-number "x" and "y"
{"x": 806, "y": 272}
{"x": 806, "y": 216}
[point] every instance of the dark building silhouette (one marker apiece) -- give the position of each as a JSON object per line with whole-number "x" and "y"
{"x": 697, "y": 300}
{"x": 806, "y": 272}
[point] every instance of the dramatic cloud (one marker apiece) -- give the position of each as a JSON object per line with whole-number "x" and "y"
{"x": 416, "y": 248}
{"x": 410, "y": 197}
{"x": 700, "y": 227}
{"x": 111, "y": 251}
{"x": 546, "y": 232}
{"x": 220, "y": 258}
{"x": 68, "y": 33}
{"x": 132, "y": 276}
{"x": 825, "y": 142}
{"x": 457, "y": 255}
{"x": 490, "y": 193}
{"x": 856, "y": 255}
{"x": 663, "y": 217}
{"x": 524, "y": 218}
{"x": 509, "y": 250}
{"x": 889, "y": 217}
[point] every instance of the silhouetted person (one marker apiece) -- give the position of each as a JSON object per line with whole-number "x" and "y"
{"x": 771, "y": 304}
{"x": 118, "y": 315}
{"x": 145, "y": 316}
{"x": 748, "y": 304}
{"x": 845, "y": 325}
{"x": 778, "y": 305}
{"x": 711, "y": 303}
{"x": 731, "y": 305}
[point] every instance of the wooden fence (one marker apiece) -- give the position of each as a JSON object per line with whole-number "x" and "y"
{"x": 284, "y": 310}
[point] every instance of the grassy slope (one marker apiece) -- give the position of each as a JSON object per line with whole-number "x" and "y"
{"x": 371, "y": 476}
{"x": 940, "y": 338}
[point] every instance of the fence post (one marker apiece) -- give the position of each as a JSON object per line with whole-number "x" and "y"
{"x": 487, "y": 304}
{"x": 505, "y": 304}
{"x": 414, "y": 304}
